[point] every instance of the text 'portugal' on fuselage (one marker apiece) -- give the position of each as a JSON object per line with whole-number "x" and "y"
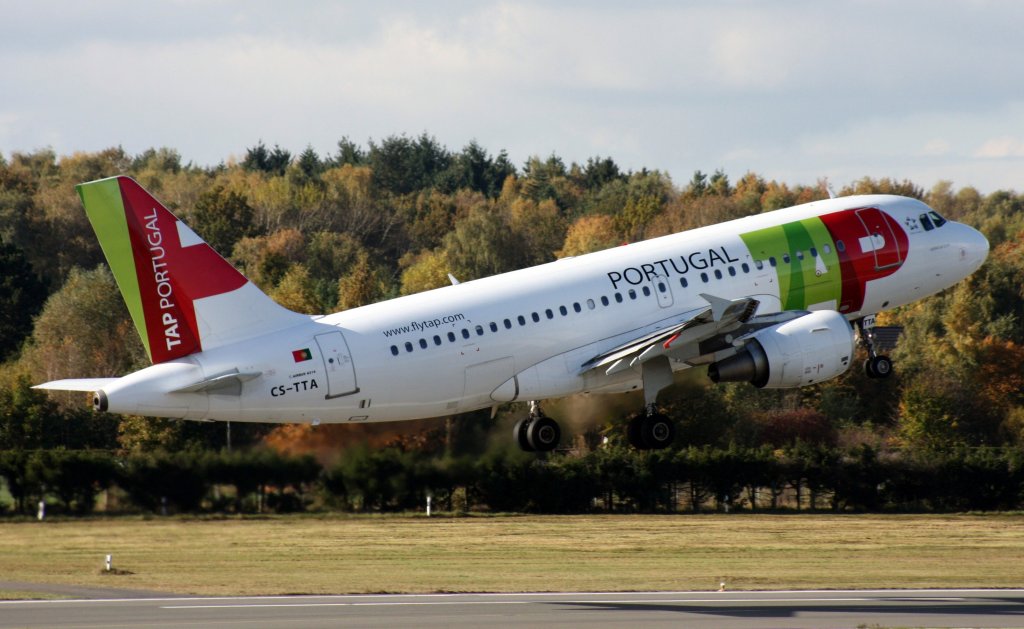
{"x": 777, "y": 299}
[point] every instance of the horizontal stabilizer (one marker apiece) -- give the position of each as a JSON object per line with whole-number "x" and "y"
{"x": 229, "y": 383}
{"x": 76, "y": 384}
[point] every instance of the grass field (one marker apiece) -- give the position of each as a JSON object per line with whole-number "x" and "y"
{"x": 338, "y": 554}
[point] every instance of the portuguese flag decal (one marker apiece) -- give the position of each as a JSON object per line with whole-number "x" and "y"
{"x": 301, "y": 355}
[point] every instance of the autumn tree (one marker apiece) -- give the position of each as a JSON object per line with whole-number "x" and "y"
{"x": 483, "y": 243}
{"x": 84, "y": 328}
{"x": 297, "y": 292}
{"x": 222, "y": 218}
{"x": 364, "y": 284}
{"x": 424, "y": 271}
{"x": 588, "y": 234}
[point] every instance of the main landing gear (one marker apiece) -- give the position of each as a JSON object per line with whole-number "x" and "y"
{"x": 537, "y": 432}
{"x": 876, "y": 366}
{"x": 651, "y": 430}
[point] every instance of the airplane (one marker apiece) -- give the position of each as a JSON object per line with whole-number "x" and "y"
{"x": 776, "y": 299}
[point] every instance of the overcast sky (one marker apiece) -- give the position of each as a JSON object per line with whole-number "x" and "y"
{"x": 792, "y": 90}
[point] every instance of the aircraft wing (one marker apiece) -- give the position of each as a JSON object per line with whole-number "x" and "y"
{"x": 721, "y": 314}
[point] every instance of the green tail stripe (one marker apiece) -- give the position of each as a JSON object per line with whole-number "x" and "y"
{"x": 105, "y": 209}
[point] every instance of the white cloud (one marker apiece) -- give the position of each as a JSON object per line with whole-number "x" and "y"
{"x": 934, "y": 147}
{"x": 794, "y": 90}
{"x": 1001, "y": 148}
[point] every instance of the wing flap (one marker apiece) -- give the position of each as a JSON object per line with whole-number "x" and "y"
{"x": 720, "y": 314}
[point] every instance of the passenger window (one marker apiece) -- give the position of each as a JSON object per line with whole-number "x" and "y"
{"x": 718, "y": 274}
{"x": 549, "y": 314}
{"x": 683, "y": 282}
{"x": 394, "y": 350}
{"x": 576, "y": 306}
{"x": 800, "y": 254}
{"x": 618, "y": 298}
{"x": 562, "y": 310}
{"x": 604, "y": 300}
{"x": 494, "y": 326}
{"x": 938, "y": 220}
{"x": 840, "y": 247}
{"x": 508, "y": 324}
{"x": 465, "y": 333}
{"x": 661, "y": 287}
{"x": 451, "y": 337}
{"x": 732, "y": 271}
{"x": 704, "y": 277}
{"x": 522, "y": 320}
{"x": 423, "y": 343}
{"x": 814, "y": 252}
{"x": 827, "y": 249}
{"x": 437, "y": 340}
{"x": 771, "y": 260}
{"x": 632, "y": 294}
{"x": 745, "y": 267}
{"x": 647, "y": 291}
{"x": 926, "y": 222}
{"x": 535, "y": 317}
{"x": 590, "y": 304}
{"x": 785, "y": 258}
{"x": 479, "y": 330}
{"x": 408, "y": 346}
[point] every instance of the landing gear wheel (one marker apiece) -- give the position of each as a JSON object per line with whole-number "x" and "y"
{"x": 543, "y": 434}
{"x": 657, "y": 431}
{"x": 634, "y": 432}
{"x": 519, "y": 434}
{"x": 878, "y": 367}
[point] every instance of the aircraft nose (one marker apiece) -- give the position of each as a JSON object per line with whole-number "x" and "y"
{"x": 973, "y": 247}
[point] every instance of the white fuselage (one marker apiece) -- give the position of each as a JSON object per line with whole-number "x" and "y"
{"x": 522, "y": 335}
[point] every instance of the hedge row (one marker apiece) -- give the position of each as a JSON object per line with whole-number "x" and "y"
{"x": 611, "y": 479}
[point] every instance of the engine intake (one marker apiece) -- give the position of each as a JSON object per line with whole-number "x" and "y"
{"x": 809, "y": 349}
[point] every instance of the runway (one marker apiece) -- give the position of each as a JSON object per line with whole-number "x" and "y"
{"x": 833, "y": 608}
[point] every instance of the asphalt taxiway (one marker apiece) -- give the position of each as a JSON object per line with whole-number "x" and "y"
{"x": 831, "y": 608}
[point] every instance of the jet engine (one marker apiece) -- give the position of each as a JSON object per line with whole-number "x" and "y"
{"x": 809, "y": 349}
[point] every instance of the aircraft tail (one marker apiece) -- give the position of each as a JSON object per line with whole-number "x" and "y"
{"x": 183, "y": 297}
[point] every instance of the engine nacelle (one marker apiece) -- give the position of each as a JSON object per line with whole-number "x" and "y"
{"x": 812, "y": 348}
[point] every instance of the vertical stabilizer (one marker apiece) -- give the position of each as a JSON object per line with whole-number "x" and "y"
{"x": 183, "y": 296}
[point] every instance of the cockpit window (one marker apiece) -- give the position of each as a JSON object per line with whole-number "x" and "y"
{"x": 938, "y": 220}
{"x": 926, "y": 222}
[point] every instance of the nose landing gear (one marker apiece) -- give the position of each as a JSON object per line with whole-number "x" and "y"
{"x": 877, "y": 365}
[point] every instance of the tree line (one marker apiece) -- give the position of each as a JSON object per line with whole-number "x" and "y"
{"x": 609, "y": 480}
{"x": 386, "y": 218}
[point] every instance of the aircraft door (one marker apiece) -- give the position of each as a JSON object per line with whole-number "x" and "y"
{"x": 663, "y": 290}
{"x": 880, "y": 239}
{"x": 341, "y": 372}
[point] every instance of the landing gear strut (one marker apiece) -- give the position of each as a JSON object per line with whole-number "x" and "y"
{"x": 876, "y": 366}
{"x": 651, "y": 430}
{"x": 537, "y": 432}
